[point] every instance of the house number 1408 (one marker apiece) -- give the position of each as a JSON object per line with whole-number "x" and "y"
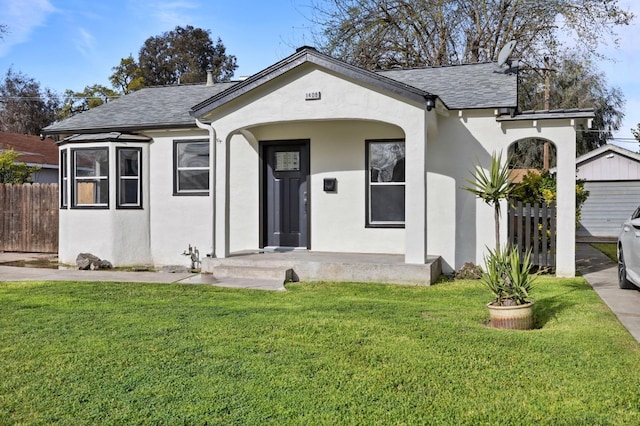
{"x": 312, "y": 96}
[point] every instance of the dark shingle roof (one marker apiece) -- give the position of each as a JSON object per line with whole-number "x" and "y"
{"x": 484, "y": 85}
{"x": 148, "y": 108}
{"x": 459, "y": 87}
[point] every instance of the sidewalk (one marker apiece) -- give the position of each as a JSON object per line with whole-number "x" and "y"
{"x": 602, "y": 273}
{"x": 15, "y": 273}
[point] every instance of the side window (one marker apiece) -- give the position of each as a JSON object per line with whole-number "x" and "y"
{"x": 64, "y": 179}
{"x": 191, "y": 167}
{"x": 90, "y": 168}
{"x": 129, "y": 188}
{"x": 385, "y": 183}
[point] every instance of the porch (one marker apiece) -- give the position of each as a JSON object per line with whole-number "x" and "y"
{"x": 303, "y": 265}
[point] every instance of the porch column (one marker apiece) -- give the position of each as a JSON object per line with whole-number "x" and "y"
{"x": 416, "y": 190}
{"x": 566, "y": 204}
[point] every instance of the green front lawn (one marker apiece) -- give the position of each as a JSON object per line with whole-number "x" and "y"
{"x": 610, "y": 249}
{"x": 96, "y": 353}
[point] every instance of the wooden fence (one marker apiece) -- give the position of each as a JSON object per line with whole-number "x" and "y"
{"x": 533, "y": 227}
{"x": 29, "y": 217}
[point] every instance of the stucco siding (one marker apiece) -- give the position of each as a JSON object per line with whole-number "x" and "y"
{"x": 175, "y": 221}
{"x": 117, "y": 235}
{"x": 337, "y": 150}
{"x": 336, "y": 125}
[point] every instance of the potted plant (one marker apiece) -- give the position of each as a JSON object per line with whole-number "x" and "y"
{"x": 509, "y": 279}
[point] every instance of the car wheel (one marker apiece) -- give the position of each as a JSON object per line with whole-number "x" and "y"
{"x": 623, "y": 282}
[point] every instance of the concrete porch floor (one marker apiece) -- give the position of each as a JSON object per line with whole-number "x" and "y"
{"x": 303, "y": 265}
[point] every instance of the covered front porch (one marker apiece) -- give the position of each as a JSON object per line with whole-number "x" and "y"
{"x": 304, "y": 265}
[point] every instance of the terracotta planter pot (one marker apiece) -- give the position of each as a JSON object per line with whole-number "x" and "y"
{"x": 518, "y": 317}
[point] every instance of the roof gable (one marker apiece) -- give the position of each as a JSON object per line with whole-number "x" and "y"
{"x": 310, "y": 55}
{"x": 605, "y": 150}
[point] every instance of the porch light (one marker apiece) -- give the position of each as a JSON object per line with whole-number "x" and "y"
{"x": 430, "y": 104}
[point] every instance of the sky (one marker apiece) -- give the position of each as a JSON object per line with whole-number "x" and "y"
{"x": 71, "y": 44}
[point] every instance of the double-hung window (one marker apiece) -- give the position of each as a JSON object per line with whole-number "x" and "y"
{"x": 191, "y": 167}
{"x": 90, "y": 177}
{"x": 385, "y": 183}
{"x": 129, "y": 188}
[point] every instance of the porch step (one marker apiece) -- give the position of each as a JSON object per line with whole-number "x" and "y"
{"x": 321, "y": 266}
{"x": 249, "y": 271}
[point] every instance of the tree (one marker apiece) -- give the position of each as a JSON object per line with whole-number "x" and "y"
{"x": 127, "y": 77}
{"x": 492, "y": 187}
{"x": 25, "y": 107}
{"x": 575, "y": 83}
{"x": 90, "y": 97}
{"x": 13, "y": 171}
{"x": 384, "y": 33}
{"x": 184, "y": 55}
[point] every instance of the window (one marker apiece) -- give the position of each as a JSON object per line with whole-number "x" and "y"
{"x": 64, "y": 179}
{"x": 90, "y": 177}
{"x": 129, "y": 189}
{"x": 385, "y": 183}
{"x": 191, "y": 160}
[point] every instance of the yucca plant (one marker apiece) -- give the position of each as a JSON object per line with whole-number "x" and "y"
{"x": 492, "y": 187}
{"x": 508, "y": 276}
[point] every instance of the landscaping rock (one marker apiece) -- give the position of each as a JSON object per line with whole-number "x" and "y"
{"x": 175, "y": 269}
{"x": 86, "y": 261}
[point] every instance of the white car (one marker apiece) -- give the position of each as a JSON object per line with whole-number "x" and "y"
{"x": 629, "y": 252}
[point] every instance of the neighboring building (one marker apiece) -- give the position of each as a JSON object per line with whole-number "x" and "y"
{"x": 612, "y": 176}
{"x": 34, "y": 151}
{"x": 310, "y": 153}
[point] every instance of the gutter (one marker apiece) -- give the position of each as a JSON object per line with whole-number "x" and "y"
{"x": 212, "y": 180}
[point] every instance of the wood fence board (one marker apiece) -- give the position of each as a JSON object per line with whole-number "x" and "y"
{"x": 533, "y": 227}
{"x": 29, "y": 217}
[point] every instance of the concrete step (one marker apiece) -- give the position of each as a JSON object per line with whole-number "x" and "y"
{"x": 338, "y": 267}
{"x": 279, "y": 273}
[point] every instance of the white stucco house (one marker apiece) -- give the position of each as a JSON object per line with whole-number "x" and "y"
{"x": 310, "y": 153}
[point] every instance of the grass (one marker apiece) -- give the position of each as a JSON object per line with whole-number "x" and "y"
{"x": 610, "y": 249}
{"x": 119, "y": 353}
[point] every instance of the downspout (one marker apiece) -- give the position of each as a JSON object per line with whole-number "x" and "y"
{"x": 212, "y": 179}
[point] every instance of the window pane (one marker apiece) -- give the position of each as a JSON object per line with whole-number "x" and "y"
{"x": 128, "y": 160}
{"x": 190, "y": 180}
{"x": 387, "y": 203}
{"x": 386, "y": 161}
{"x": 128, "y": 191}
{"x": 92, "y": 162}
{"x": 194, "y": 154}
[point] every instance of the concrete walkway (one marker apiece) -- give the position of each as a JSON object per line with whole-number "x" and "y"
{"x": 602, "y": 273}
{"x": 19, "y": 273}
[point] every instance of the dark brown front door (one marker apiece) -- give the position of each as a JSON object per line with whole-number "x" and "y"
{"x": 285, "y": 197}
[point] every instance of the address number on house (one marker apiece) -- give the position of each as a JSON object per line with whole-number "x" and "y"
{"x": 312, "y": 96}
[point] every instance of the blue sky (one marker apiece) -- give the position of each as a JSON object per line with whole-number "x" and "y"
{"x": 69, "y": 44}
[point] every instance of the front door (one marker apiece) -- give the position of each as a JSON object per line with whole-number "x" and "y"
{"x": 285, "y": 193}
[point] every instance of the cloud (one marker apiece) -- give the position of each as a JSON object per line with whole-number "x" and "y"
{"x": 21, "y": 18}
{"x": 86, "y": 43}
{"x": 172, "y": 13}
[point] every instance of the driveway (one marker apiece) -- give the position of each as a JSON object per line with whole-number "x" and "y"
{"x": 602, "y": 273}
